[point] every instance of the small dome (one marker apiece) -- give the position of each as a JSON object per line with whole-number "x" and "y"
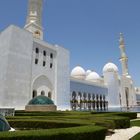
{"x": 78, "y": 72}
{"x": 41, "y": 100}
{"x": 4, "y": 125}
{"x": 88, "y": 72}
{"x": 110, "y": 67}
{"x": 93, "y": 77}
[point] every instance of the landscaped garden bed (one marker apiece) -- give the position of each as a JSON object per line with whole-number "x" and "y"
{"x": 68, "y": 125}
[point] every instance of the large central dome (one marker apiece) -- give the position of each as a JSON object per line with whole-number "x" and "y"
{"x": 41, "y": 100}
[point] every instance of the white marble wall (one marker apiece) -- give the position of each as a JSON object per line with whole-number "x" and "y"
{"x": 127, "y": 83}
{"x": 19, "y": 75}
{"x": 15, "y": 70}
{"x": 43, "y": 77}
{"x": 63, "y": 80}
{"x": 111, "y": 79}
{"x": 79, "y": 86}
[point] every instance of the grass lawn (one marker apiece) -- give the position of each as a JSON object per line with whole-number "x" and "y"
{"x": 136, "y": 123}
{"x": 136, "y": 137}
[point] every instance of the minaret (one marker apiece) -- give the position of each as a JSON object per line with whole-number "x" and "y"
{"x": 34, "y": 18}
{"x": 124, "y": 58}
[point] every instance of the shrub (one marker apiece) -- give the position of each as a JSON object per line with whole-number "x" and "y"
{"x": 114, "y": 122}
{"x": 131, "y": 115}
{"x": 74, "y": 133}
{"x": 122, "y": 122}
{"x": 38, "y": 124}
{"x": 35, "y": 113}
{"x": 109, "y": 124}
{"x": 135, "y": 123}
{"x": 48, "y": 120}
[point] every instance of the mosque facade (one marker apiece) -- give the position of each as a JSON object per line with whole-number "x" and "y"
{"x": 30, "y": 67}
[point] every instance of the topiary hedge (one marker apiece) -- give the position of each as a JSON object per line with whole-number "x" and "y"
{"x": 114, "y": 122}
{"x": 74, "y": 133}
{"x": 121, "y": 122}
{"x": 36, "y": 113}
{"x": 131, "y": 115}
{"x": 49, "y": 120}
{"x": 39, "y": 124}
{"x": 78, "y": 125}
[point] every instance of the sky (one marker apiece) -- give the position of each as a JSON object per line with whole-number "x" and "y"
{"x": 89, "y": 29}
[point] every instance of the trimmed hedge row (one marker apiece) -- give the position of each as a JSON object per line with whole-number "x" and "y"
{"x": 122, "y": 122}
{"x": 39, "y": 124}
{"x": 135, "y": 123}
{"x": 35, "y": 113}
{"x": 70, "y": 119}
{"x": 131, "y": 115}
{"x": 78, "y": 125}
{"x": 115, "y": 122}
{"x": 108, "y": 122}
{"x": 74, "y": 133}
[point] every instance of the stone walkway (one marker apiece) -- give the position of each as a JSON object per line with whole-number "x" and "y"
{"x": 125, "y": 134}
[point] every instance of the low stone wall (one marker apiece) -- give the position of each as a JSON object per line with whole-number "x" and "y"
{"x": 41, "y": 108}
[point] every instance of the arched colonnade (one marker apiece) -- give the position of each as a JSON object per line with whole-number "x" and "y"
{"x": 88, "y": 101}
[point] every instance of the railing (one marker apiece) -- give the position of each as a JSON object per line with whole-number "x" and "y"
{"x": 98, "y": 105}
{"x": 7, "y": 111}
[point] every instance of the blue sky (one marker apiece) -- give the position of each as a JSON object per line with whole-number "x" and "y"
{"x": 89, "y": 29}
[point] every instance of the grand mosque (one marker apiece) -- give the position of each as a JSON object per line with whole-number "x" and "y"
{"x": 30, "y": 67}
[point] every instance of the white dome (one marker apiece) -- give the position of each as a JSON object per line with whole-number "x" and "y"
{"x": 93, "y": 77}
{"x": 88, "y": 72}
{"x": 78, "y": 72}
{"x": 110, "y": 67}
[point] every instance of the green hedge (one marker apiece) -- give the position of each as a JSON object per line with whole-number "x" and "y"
{"x": 35, "y": 113}
{"x": 122, "y": 122}
{"x": 131, "y": 115}
{"x": 74, "y": 133}
{"x": 135, "y": 123}
{"x": 108, "y": 122}
{"x": 38, "y": 124}
{"x": 49, "y": 120}
{"x": 114, "y": 122}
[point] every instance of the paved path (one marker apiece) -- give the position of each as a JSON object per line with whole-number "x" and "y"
{"x": 124, "y": 134}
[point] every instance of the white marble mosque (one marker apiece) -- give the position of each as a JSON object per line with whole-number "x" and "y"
{"x": 30, "y": 67}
